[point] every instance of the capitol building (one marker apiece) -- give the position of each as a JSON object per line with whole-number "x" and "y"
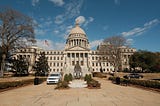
{"x": 77, "y": 58}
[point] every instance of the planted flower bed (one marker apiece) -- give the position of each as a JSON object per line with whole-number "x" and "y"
{"x": 92, "y": 84}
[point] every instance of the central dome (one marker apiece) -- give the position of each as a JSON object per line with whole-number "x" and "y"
{"x": 77, "y": 29}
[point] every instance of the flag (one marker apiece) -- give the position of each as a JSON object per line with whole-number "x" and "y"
{"x": 46, "y": 42}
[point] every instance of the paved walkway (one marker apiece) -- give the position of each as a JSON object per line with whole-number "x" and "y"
{"x": 78, "y": 84}
{"x": 109, "y": 95}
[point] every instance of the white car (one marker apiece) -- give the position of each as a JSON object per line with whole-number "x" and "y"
{"x": 54, "y": 78}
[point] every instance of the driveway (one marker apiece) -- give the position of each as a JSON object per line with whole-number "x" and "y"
{"x": 108, "y": 95}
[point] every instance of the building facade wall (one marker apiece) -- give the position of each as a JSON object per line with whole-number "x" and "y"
{"x": 76, "y": 51}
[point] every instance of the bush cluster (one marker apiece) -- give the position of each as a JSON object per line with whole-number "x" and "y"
{"x": 94, "y": 84}
{"x": 91, "y": 82}
{"x": 68, "y": 77}
{"x": 62, "y": 85}
{"x": 144, "y": 83}
{"x": 88, "y": 78}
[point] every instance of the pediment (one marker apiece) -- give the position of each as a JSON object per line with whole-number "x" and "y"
{"x": 77, "y": 48}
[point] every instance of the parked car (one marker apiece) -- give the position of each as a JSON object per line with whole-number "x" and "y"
{"x": 54, "y": 78}
{"x": 133, "y": 75}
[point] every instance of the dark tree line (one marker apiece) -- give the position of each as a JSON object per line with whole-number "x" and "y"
{"x": 145, "y": 61}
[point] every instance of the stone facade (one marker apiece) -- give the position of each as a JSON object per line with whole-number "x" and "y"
{"x": 77, "y": 51}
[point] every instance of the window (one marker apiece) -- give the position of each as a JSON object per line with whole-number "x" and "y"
{"x": 107, "y": 64}
{"x": 96, "y": 64}
{"x": 77, "y": 55}
{"x": 54, "y": 64}
{"x": 92, "y": 64}
{"x": 61, "y": 64}
{"x": 68, "y": 54}
{"x": 103, "y": 64}
{"x": 50, "y": 58}
{"x": 50, "y": 64}
{"x": 57, "y": 58}
{"x": 61, "y": 58}
{"x": 82, "y": 63}
{"x": 86, "y": 55}
{"x": 92, "y": 58}
{"x": 57, "y": 64}
{"x": 81, "y": 54}
{"x": 73, "y": 63}
{"x": 54, "y": 58}
{"x": 73, "y": 55}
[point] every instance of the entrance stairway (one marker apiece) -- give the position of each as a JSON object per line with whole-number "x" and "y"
{"x": 78, "y": 84}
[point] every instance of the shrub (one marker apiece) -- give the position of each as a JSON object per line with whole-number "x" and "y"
{"x": 88, "y": 78}
{"x": 66, "y": 77}
{"x": 62, "y": 85}
{"x": 94, "y": 84}
{"x": 70, "y": 77}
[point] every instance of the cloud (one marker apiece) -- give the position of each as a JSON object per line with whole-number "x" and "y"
{"x": 95, "y": 43}
{"x": 71, "y": 10}
{"x": 56, "y": 31}
{"x": 105, "y": 27}
{"x": 34, "y": 2}
{"x": 88, "y": 21}
{"x": 58, "y": 2}
{"x": 39, "y": 31}
{"x": 80, "y": 19}
{"x": 117, "y": 2}
{"x": 129, "y": 42}
{"x": 50, "y": 44}
{"x": 141, "y": 30}
{"x": 43, "y": 26}
{"x": 59, "y": 19}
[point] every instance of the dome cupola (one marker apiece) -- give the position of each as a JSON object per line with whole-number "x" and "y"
{"x": 77, "y": 37}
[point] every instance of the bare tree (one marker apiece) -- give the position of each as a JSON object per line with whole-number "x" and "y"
{"x": 16, "y": 30}
{"x": 110, "y": 51}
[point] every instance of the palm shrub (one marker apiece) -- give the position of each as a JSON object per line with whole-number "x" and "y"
{"x": 62, "y": 85}
{"x": 66, "y": 77}
{"x": 70, "y": 77}
{"x": 88, "y": 78}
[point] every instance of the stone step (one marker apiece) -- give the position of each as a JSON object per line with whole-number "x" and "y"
{"x": 78, "y": 84}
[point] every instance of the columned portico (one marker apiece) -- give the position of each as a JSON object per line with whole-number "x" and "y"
{"x": 77, "y": 51}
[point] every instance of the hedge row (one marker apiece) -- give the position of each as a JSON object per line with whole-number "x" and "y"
{"x": 4, "y": 85}
{"x": 99, "y": 75}
{"x": 144, "y": 83}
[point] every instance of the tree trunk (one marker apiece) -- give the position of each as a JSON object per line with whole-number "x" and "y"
{"x": 3, "y": 65}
